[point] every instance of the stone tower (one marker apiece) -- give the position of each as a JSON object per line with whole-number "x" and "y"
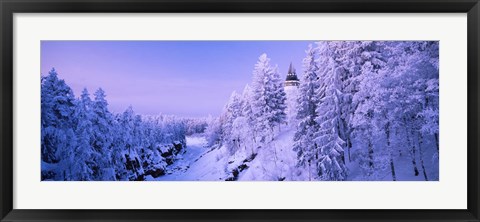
{"x": 292, "y": 79}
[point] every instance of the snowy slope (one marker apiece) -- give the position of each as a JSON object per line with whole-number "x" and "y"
{"x": 274, "y": 162}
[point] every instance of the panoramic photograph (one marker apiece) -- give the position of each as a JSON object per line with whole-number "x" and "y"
{"x": 239, "y": 110}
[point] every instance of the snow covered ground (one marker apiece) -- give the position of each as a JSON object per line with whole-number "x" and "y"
{"x": 186, "y": 167}
{"x": 274, "y": 162}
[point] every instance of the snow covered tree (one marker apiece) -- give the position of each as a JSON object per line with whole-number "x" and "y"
{"x": 370, "y": 62}
{"x": 57, "y": 134}
{"x": 195, "y": 125}
{"x": 278, "y": 100}
{"x": 57, "y": 101}
{"x": 213, "y": 132}
{"x": 173, "y": 130}
{"x": 392, "y": 83}
{"x": 124, "y": 150}
{"x": 330, "y": 150}
{"x": 347, "y": 60}
{"x": 304, "y": 143}
{"x": 247, "y": 113}
{"x": 243, "y": 133}
{"x": 81, "y": 164}
{"x": 233, "y": 110}
{"x": 103, "y": 138}
{"x": 416, "y": 75}
{"x": 268, "y": 100}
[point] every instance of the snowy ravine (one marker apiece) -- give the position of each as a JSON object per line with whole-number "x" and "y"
{"x": 276, "y": 161}
{"x": 199, "y": 162}
{"x": 190, "y": 165}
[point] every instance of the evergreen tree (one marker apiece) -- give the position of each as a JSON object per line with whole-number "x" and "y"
{"x": 124, "y": 149}
{"x": 304, "y": 144}
{"x": 81, "y": 163}
{"x": 57, "y": 107}
{"x": 233, "y": 110}
{"x": 330, "y": 152}
{"x": 247, "y": 113}
{"x": 277, "y": 100}
{"x": 416, "y": 90}
{"x": 371, "y": 61}
{"x": 213, "y": 132}
{"x": 268, "y": 100}
{"x": 58, "y": 138}
{"x": 103, "y": 138}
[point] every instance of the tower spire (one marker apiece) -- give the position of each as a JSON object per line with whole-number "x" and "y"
{"x": 291, "y": 70}
{"x": 292, "y": 79}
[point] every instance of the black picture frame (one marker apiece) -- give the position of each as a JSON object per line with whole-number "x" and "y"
{"x": 9, "y": 7}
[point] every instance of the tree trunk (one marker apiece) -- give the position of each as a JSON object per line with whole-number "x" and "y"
{"x": 436, "y": 141}
{"x": 340, "y": 127}
{"x": 349, "y": 147}
{"x": 420, "y": 142}
{"x": 392, "y": 166}
{"x": 370, "y": 153}
{"x": 396, "y": 135}
{"x": 412, "y": 148}
{"x": 272, "y": 132}
{"x": 275, "y": 152}
{"x": 309, "y": 173}
{"x": 347, "y": 139}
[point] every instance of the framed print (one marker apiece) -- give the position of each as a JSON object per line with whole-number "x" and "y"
{"x": 230, "y": 110}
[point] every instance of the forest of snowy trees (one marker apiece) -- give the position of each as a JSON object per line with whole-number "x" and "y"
{"x": 361, "y": 106}
{"x": 364, "y": 110}
{"x": 82, "y": 140}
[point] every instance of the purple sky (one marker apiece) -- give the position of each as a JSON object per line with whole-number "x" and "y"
{"x": 184, "y": 78}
